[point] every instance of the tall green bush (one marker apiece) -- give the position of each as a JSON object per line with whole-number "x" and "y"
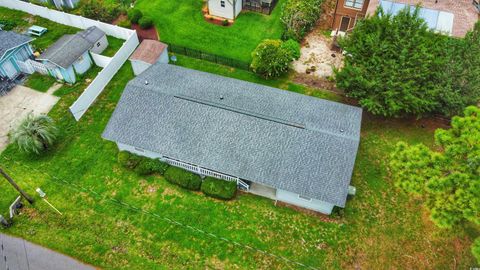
{"x": 271, "y": 59}
{"x": 183, "y": 178}
{"x": 293, "y": 47}
{"x": 396, "y": 66}
{"x": 100, "y": 10}
{"x": 218, "y": 188}
{"x": 299, "y": 16}
{"x": 145, "y": 22}
{"x": 135, "y": 15}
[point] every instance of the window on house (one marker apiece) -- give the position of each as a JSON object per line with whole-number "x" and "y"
{"x": 354, "y": 3}
{"x": 222, "y": 3}
{"x": 304, "y": 198}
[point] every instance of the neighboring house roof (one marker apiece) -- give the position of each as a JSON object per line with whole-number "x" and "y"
{"x": 456, "y": 17}
{"x": 149, "y": 51}
{"x": 92, "y": 34}
{"x": 66, "y": 50}
{"x": 10, "y": 40}
{"x": 277, "y": 138}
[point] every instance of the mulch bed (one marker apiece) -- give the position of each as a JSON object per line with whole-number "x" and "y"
{"x": 150, "y": 33}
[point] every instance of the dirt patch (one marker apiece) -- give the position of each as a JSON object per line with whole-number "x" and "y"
{"x": 121, "y": 18}
{"x": 150, "y": 33}
{"x": 317, "y": 58}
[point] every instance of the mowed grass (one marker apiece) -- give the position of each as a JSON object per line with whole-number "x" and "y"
{"x": 182, "y": 23}
{"x": 39, "y": 82}
{"x": 380, "y": 227}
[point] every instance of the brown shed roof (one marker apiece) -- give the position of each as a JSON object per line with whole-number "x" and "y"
{"x": 149, "y": 51}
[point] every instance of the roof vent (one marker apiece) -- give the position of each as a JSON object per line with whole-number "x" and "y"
{"x": 146, "y": 82}
{"x": 342, "y": 130}
{"x": 221, "y": 97}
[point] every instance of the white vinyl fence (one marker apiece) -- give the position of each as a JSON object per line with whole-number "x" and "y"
{"x": 100, "y": 60}
{"x": 81, "y": 105}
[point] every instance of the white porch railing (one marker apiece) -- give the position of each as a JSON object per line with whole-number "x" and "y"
{"x": 206, "y": 172}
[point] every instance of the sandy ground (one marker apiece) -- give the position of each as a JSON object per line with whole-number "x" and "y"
{"x": 20, "y": 102}
{"x": 317, "y": 59}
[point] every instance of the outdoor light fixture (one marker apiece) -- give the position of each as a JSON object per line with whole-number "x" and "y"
{"x": 42, "y": 195}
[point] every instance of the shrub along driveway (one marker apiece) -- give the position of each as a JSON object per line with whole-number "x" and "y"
{"x": 380, "y": 227}
{"x": 17, "y": 104}
{"x": 182, "y": 23}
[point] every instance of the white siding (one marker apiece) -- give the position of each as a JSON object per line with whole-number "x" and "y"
{"x": 313, "y": 204}
{"x": 100, "y": 45}
{"x": 215, "y": 8}
{"x": 139, "y": 66}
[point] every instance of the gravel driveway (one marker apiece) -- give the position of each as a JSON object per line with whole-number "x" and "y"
{"x": 18, "y": 103}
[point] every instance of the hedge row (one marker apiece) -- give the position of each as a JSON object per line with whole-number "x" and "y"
{"x": 183, "y": 178}
{"x": 299, "y": 16}
{"x": 218, "y": 188}
{"x": 141, "y": 165}
{"x": 212, "y": 187}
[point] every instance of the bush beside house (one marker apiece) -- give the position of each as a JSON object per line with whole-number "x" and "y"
{"x": 271, "y": 59}
{"x": 141, "y": 165}
{"x": 299, "y": 16}
{"x": 183, "y": 178}
{"x": 218, "y": 188}
{"x": 135, "y": 15}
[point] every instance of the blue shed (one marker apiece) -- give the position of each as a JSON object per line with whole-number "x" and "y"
{"x": 14, "y": 50}
{"x": 68, "y": 57}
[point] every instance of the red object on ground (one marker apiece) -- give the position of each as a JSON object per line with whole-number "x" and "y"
{"x": 150, "y": 33}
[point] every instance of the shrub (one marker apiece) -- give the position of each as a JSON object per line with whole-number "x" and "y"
{"x": 148, "y": 166}
{"x": 476, "y": 249}
{"x": 183, "y": 178}
{"x": 128, "y": 160}
{"x": 99, "y": 10}
{"x": 293, "y": 47}
{"x": 125, "y": 24}
{"x": 218, "y": 188}
{"x": 299, "y": 16}
{"x": 8, "y": 24}
{"x": 135, "y": 15}
{"x": 225, "y": 22}
{"x": 270, "y": 59}
{"x": 35, "y": 134}
{"x": 145, "y": 22}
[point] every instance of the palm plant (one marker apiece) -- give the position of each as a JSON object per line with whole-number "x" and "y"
{"x": 35, "y": 134}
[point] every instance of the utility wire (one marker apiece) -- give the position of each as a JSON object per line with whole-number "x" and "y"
{"x": 167, "y": 219}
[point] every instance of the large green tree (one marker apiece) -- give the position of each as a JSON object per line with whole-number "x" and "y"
{"x": 449, "y": 178}
{"x": 395, "y": 66}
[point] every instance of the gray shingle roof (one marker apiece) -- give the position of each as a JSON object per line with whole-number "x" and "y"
{"x": 285, "y": 140}
{"x": 10, "y": 39}
{"x": 66, "y": 50}
{"x": 92, "y": 34}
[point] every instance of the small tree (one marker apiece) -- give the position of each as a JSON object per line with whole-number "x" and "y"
{"x": 449, "y": 180}
{"x": 35, "y": 134}
{"x": 271, "y": 59}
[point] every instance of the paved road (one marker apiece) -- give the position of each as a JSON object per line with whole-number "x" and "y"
{"x": 22, "y": 255}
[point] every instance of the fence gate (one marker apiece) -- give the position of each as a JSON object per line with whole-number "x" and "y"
{"x": 38, "y": 67}
{"x": 25, "y": 67}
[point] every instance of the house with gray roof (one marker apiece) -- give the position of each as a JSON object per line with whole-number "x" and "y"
{"x": 14, "y": 50}
{"x": 289, "y": 147}
{"x": 70, "y": 55}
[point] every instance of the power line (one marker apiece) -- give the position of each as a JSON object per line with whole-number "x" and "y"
{"x": 167, "y": 219}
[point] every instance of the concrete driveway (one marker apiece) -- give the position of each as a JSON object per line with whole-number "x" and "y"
{"x": 18, "y": 103}
{"x": 18, "y": 254}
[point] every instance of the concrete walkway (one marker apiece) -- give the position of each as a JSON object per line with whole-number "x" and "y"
{"x": 18, "y": 254}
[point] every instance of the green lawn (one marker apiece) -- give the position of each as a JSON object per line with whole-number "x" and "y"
{"x": 380, "y": 227}
{"x": 39, "y": 82}
{"x": 114, "y": 45}
{"x": 182, "y": 23}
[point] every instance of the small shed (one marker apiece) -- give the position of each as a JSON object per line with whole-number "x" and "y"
{"x": 148, "y": 53}
{"x": 96, "y": 37}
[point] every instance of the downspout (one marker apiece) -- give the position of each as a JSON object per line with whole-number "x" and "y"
{"x": 334, "y": 14}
